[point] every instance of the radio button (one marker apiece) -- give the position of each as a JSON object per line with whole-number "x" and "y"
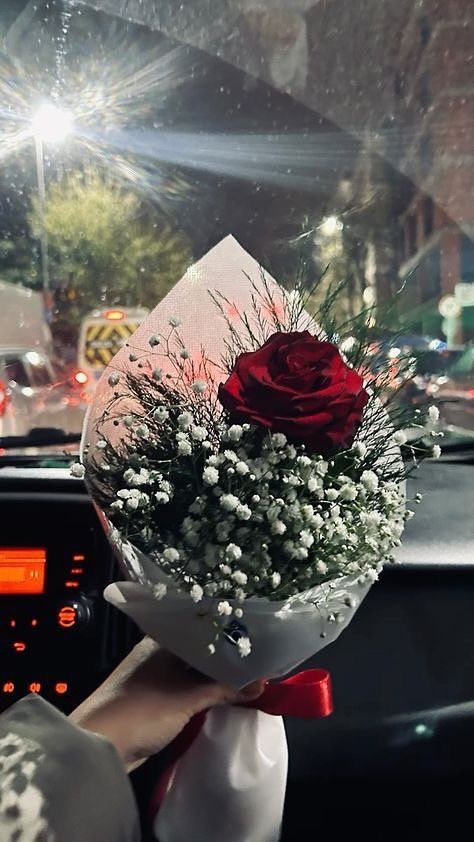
{"x": 74, "y": 614}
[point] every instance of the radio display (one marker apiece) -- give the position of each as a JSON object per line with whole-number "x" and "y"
{"x": 22, "y": 570}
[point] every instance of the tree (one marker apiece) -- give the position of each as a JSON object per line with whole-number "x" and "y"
{"x": 105, "y": 247}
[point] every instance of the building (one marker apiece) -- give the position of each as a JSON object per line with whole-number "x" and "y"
{"x": 434, "y": 87}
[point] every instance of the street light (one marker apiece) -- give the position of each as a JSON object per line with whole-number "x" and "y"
{"x": 50, "y": 124}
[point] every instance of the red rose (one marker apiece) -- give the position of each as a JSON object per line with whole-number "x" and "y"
{"x": 297, "y": 385}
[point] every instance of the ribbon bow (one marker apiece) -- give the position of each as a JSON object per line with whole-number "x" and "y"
{"x": 306, "y": 694}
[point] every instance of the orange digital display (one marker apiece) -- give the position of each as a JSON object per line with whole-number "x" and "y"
{"x": 22, "y": 570}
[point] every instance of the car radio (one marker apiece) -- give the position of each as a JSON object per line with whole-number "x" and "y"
{"x": 58, "y": 635}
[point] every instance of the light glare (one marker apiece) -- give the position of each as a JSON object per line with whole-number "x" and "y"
{"x": 52, "y": 124}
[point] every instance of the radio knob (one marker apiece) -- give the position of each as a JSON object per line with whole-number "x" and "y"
{"x": 74, "y": 613}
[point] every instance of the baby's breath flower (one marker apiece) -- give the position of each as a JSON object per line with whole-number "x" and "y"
{"x": 348, "y": 492}
{"x": 153, "y": 341}
{"x": 159, "y": 591}
{"x": 185, "y": 419}
{"x": 244, "y": 646}
{"x": 278, "y": 440}
{"x": 184, "y": 448}
{"x": 359, "y": 449}
{"x": 210, "y": 476}
{"x": 229, "y": 502}
{"x": 275, "y": 579}
{"x": 101, "y": 445}
{"x": 77, "y": 470}
{"x": 157, "y": 374}
{"x": 234, "y": 432}
{"x": 306, "y": 538}
{"x": 370, "y": 480}
{"x": 243, "y": 512}
{"x": 321, "y": 567}
{"x": 196, "y": 593}
{"x": 113, "y": 379}
{"x": 239, "y": 577}
{"x": 184, "y": 354}
{"x": 332, "y": 494}
{"x": 436, "y": 452}
{"x": 117, "y": 505}
{"x": 313, "y": 484}
{"x": 399, "y": 437}
{"x": 304, "y": 461}
{"x": 238, "y": 613}
{"x": 224, "y": 609}
{"x": 278, "y": 527}
{"x": 161, "y": 414}
{"x": 174, "y": 321}
{"x": 233, "y": 553}
{"x": 171, "y": 554}
{"x": 162, "y": 497}
{"x": 198, "y": 433}
{"x": 433, "y": 414}
{"x": 211, "y": 649}
{"x": 242, "y": 468}
{"x": 199, "y": 386}
{"x": 143, "y": 431}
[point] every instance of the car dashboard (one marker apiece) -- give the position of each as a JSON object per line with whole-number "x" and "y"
{"x": 59, "y": 636}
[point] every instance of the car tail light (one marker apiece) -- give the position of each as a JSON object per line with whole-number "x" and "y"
{"x": 81, "y": 377}
{"x": 4, "y": 398}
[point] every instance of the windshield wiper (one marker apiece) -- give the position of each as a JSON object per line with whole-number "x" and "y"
{"x": 40, "y": 437}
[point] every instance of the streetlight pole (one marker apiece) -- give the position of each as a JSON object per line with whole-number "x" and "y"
{"x": 42, "y": 215}
{"x": 49, "y": 124}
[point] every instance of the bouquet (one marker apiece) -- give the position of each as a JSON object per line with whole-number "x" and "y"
{"x": 249, "y": 476}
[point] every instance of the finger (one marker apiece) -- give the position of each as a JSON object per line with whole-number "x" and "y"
{"x": 251, "y": 691}
{"x": 211, "y": 694}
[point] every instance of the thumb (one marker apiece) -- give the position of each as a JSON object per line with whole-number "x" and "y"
{"x": 212, "y": 694}
{"x": 251, "y": 691}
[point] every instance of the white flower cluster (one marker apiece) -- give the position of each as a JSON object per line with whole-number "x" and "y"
{"x": 258, "y": 516}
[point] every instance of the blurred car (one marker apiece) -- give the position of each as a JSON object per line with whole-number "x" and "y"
{"x": 32, "y": 394}
{"x": 453, "y": 391}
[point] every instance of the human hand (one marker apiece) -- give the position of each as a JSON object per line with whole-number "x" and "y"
{"x": 149, "y": 698}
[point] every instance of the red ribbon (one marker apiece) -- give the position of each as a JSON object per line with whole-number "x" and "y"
{"x": 307, "y": 695}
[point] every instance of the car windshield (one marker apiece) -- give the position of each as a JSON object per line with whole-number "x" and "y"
{"x": 332, "y": 139}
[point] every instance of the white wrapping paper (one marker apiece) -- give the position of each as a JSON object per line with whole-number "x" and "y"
{"x": 230, "y": 785}
{"x": 283, "y": 634}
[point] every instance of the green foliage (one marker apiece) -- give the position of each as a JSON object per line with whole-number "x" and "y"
{"x": 19, "y": 262}
{"x": 105, "y": 248}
